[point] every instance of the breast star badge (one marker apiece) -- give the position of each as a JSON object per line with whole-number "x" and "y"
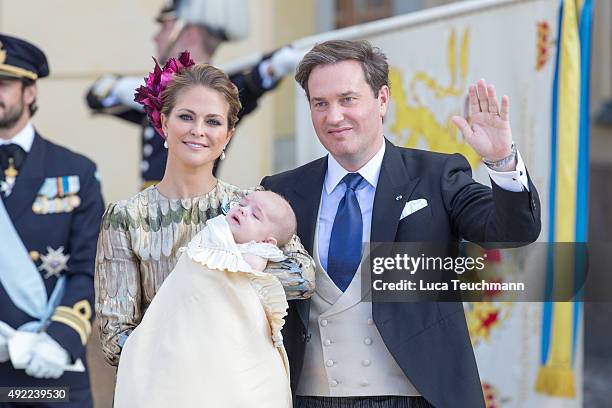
{"x": 54, "y": 262}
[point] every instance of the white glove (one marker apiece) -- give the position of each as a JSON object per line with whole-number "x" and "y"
{"x": 4, "y": 351}
{"x": 284, "y": 61}
{"x": 112, "y": 90}
{"x": 124, "y": 91}
{"x": 103, "y": 85}
{"x": 48, "y": 358}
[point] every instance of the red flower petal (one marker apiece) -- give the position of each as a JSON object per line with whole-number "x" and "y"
{"x": 149, "y": 95}
{"x": 185, "y": 59}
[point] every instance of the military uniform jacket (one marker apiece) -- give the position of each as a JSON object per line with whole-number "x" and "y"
{"x": 56, "y": 207}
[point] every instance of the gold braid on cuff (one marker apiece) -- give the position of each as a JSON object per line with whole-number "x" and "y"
{"x": 76, "y": 317}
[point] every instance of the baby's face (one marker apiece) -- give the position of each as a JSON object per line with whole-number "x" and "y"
{"x": 254, "y": 218}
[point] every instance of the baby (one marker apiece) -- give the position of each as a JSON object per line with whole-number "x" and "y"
{"x": 212, "y": 334}
{"x": 264, "y": 217}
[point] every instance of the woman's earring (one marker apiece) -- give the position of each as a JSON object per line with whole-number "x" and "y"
{"x": 222, "y": 157}
{"x": 166, "y": 144}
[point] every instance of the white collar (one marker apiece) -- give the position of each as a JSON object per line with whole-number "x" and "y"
{"x": 24, "y": 138}
{"x": 370, "y": 171}
{"x": 214, "y": 247}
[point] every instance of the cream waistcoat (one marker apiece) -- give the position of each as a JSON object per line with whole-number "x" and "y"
{"x": 345, "y": 354}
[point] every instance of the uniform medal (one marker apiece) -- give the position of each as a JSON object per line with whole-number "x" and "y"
{"x": 10, "y": 175}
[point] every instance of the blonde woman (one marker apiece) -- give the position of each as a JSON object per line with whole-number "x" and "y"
{"x": 195, "y": 107}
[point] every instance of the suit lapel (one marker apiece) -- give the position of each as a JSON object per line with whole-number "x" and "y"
{"x": 28, "y": 182}
{"x": 305, "y": 198}
{"x": 395, "y": 184}
{"x": 397, "y": 179}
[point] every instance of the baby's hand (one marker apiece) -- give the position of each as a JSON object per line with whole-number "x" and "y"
{"x": 257, "y": 262}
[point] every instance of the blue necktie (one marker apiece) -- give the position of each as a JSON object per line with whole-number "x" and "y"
{"x": 344, "y": 253}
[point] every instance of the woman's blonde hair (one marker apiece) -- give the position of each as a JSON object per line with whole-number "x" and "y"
{"x": 203, "y": 75}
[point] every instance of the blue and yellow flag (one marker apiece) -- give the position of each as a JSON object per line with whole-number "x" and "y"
{"x": 568, "y": 203}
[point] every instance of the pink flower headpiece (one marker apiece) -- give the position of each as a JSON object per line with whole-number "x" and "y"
{"x": 149, "y": 95}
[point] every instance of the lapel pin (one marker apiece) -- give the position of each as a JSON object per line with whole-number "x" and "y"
{"x": 398, "y": 197}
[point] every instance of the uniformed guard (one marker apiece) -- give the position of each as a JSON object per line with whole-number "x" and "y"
{"x": 198, "y": 26}
{"x": 50, "y": 212}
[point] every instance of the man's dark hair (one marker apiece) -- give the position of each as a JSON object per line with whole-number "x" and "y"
{"x": 33, "y": 107}
{"x": 372, "y": 60}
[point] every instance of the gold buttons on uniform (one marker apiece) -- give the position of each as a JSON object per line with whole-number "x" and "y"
{"x": 35, "y": 255}
{"x": 37, "y": 207}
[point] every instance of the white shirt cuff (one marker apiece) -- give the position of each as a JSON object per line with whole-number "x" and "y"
{"x": 515, "y": 181}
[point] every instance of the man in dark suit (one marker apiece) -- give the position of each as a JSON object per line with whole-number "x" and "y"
{"x": 344, "y": 352}
{"x": 50, "y": 212}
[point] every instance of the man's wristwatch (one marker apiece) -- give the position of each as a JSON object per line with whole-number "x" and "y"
{"x": 494, "y": 165}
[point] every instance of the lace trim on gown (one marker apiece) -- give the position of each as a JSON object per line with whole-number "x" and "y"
{"x": 215, "y": 248}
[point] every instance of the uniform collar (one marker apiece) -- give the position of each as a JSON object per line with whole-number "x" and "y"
{"x": 370, "y": 171}
{"x": 24, "y": 138}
